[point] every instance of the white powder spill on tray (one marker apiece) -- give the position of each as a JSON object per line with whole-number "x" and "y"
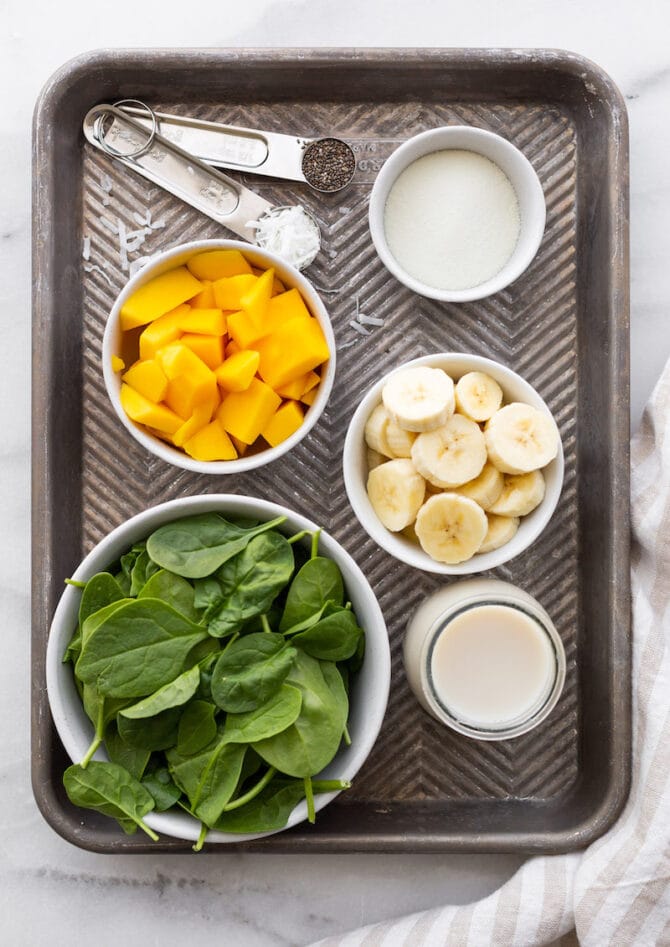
{"x": 452, "y": 219}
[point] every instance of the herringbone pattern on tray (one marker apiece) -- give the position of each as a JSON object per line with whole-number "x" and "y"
{"x": 531, "y": 327}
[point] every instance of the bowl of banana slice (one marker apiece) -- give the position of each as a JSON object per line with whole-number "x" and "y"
{"x": 453, "y": 463}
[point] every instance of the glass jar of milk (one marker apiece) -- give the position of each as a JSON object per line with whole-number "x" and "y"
{"x": 484, "y": 657}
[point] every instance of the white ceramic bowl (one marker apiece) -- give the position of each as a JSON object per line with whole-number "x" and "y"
{"x": 369, "y": 690}
{"x": 518, "y": 169}
{"x": 111, "y": 345}
{"x": 515, "y": 388}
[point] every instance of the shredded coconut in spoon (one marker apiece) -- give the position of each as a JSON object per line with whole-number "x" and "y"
{"x": 290, "y": 232}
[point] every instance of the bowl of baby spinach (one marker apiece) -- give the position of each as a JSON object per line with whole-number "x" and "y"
{"x": 217, "y": 668}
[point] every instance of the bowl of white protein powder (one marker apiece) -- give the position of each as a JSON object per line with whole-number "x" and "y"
{"x": 457, "y": 213}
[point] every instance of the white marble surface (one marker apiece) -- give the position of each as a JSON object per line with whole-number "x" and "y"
{"x": 49, "y": 890}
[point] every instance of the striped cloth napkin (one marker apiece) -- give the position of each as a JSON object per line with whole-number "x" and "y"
{"x": 617, "y": 892}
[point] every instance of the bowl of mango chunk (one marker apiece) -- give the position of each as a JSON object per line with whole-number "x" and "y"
{"x": 218, "y": 356}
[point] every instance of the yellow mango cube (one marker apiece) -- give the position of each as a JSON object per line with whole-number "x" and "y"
{"x": 216, "y": 264}
{"x": 285, "y": 307}
{"x": 204, "y": 299}
{"x": 190, "y": 381}
{"x": 239, "y": 446}
{"x": 148, "y": 378}
{"x": 117, "y": 363}
{"x": 299, "y": 386}
{"x": 200, "y": 418}
{"x": 229, "y": 290}
{"x": 245, "y": 414}
{"x": 203, "y": 321}
{"x": 158, "y": 296}
{"x": 161, "y": 332}
{"x": 244, "y": 330}
{"x": 309, "y": 397}
{"x": 210, "y": 443}
{"x": 283, "y": 423}
{"x": 232, "y": 347}
{"x": 292, "y": 350}
{"x": 209, "y": 348}
{"x": 255, "y": 301}
{"x": 237, "y": 371}
{"x": 140, "y": 409}
{"x": 277, "y": 287}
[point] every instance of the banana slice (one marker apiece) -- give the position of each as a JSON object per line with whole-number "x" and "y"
{"x": 519, "y": 438}
{"x": 478, "y": 396}
{"x": 520, "y": 494}
{"x": 375, "y": 431}
{"x": 396, "y": 492}
{"x": 374, "y": 458}
{"x": 452, "y": 455}
{"x": 398, "y": 440}
{"x": 420, "y": 398}
{"x": 501, "y": 530}
{"x": 484, "y": 489}
{"x": 450, "y": 528}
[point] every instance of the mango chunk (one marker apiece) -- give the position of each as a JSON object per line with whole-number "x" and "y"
{"x": 299, "y": 386}
{"x": 245, "y": 414}
{"x": 200, "y": 418}
{"x": 148, "y": 378}
{"x": 309, "y": 397}
{"x": 158, "y": 296}
{"x": 140, "y": 409}
{"x": 245, "y": 330}
{"x": 117, "y": 363}
{"x": 204, "y": 299}
{"x": 209, "y": 348}
{"x": 178, "y": 359}
{"x": 292, "y": 350}
{"x": 237, "y": 371}
{"x": 286, "y": 306}
{"x": 210, "y": 443}
{"x": 240, "y": 446}
{"x": 190, "y": 381}
{"x": 255, "y": 301}
{"x": 203, "y": 321}
{"x": 229, "y": 291}
{"x": 161, "y": 332}
{"x": 216, "y": 264}
{"x": 283, "y": 423}
{"x": 232, "y": 348}
{"x": 277, "y": 287}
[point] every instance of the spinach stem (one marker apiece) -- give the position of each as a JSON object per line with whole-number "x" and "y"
{"x": 252, "y": 793}
{"x": 298, "y": 536}
{"x": 230, "y": 641}
{"x": 201, "y": 838}
{"x": 145, "y": 828}
{"x": 315, "y": 543}
{"x": 75, "y": 583}
{"x": 91, "y": 750}
{"x": 266, "y": 624}
{"x": 346, "y": 736}
{"x": 99, "y": 733}
{"x": 330, "y": 785}
{"x": 309, "y": 796}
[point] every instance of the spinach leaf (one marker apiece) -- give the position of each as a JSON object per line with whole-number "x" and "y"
{"x": 197, "y": 727}
{"x": 197, "y": 545}
{"x": 333, "y": 638}
{"x": 355, "y": 662}
{"x": 310, "y": 743}
{"x": 174, "y": 694}
{"x": 73, "y": 649}
{"x": 140, "y": 573}
{"x": 133, "y": 758}
{"x": 162, "y": 788}
{"x": 208, "y": 778}
{"x": 319, "y": 581}
{"x": 269, "y": 811}
{"x": 278, "y": 713}
{"x": 173, "y": 589}
{"x": 150, "y": 733}
{"x": 208, "y": 648}
{"x": 249, "y": 582}
{"x": 207, "y": 665}
{"x": 250, "y": 671}
{"x": 127, "y": 563}
{"x": 107, "y": 788}
{"x": 138, "y": 648}
{"x": 101, "y": 589}
{"x": 98, "y": 618}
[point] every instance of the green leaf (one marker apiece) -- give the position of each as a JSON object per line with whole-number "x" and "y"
{"x": 109, "y": 789}
{"x": 249, "y": 583}
{"x": 151, "y": 733}
{"x": 309, "y": 744}
{"x": 196, "y": 546}
{"x": 208, "y": 778}
{"x": 173, "y": 589}
{"x": 250, "y": 671}
{"x": 269, "y": 811}
{"x": 333, "y": 638}
{"x": 174, "y": 694}
{"x": 94, "y": 621}
{"x": 278, "y": 713}
{"x": 101, "y": 589}
{"x": 318, "y": 581}
{"x": 162, "y": 788}
{"x": 197, "y": 727}
{"x": 132, "y": 758}
{"x": 137, "y": 648}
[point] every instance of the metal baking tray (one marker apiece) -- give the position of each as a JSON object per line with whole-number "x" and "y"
{"x": 563, "y": 325}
